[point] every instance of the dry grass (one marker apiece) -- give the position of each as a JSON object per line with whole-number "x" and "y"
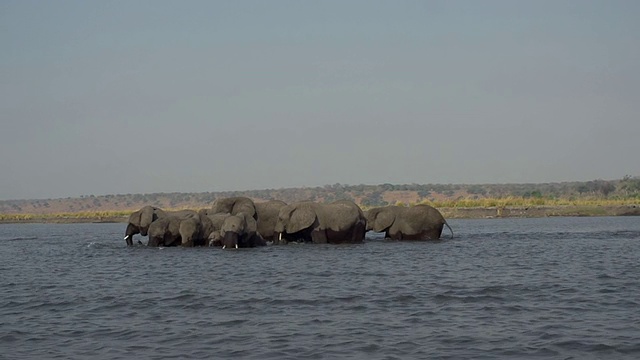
{"x": 96, "y": 215}
{"x": 519, "y": 201}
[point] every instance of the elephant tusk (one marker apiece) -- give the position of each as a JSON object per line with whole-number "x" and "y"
{"x": 126, "y": 237}
{"x": 236, "y": 246}
{"x": 224, "y": 246}
{"x": 280, "y": 237}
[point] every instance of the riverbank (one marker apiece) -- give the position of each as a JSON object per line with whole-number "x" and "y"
{"x": 538, "y": 211}
{"x": 46, "y": 219}
{"x": 447, "y": 212}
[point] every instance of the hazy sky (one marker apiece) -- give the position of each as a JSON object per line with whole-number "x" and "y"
{"x": 117, "y": 97}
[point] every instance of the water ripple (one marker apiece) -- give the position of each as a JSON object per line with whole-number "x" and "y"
{"x": 525, "y": 288}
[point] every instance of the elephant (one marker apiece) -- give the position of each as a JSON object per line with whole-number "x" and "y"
{"x": 338, "y": 222}
{"x": 419, "y": 222}
{"x": 173, "y": 230}
{"x": 267, "y": 217}
{"x": 140, "y": 220}
{"x": 235, "y": 205}
{"x": 234, "y": 231}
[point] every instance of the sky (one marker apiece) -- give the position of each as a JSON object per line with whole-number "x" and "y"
{"x": 125, "y": 97}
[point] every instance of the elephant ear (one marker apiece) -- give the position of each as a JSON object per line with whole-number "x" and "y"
{"x": 383, "y": 220}
{"x": 245, "y": 206}
{"x": 222, "y": 205}
{"x": 147, "y": 216}
{"x": 248, "y": 223}
{"x": 252, "y": 224}
{"x": 301, "y": 218}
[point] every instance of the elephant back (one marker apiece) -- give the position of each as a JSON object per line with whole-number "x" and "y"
{"x": 235, "y": 205}
{"x": 184, "y": 213}
{"x": 341, "y": 215}
{"x": 429, "y": 211}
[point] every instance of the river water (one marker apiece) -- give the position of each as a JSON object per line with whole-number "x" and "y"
{"x": 553, "y": 288}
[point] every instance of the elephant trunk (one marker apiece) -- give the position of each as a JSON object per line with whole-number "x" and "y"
{"x": 129, "y": 232}
{"x": 278, "y": 238}
{"x": 278, "y": 228}
{"x": 230, "y": 240}
{"x": 144, "y": 230}
{"x": 129, "y": 240}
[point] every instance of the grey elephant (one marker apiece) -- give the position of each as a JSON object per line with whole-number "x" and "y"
{"x": 140, "y": 220}
{"x": 420, "y": 222}
{"x": 174, "y": 230}
{"x": 235, "y": 205}
{"x": 267, "y": 217}
{"x": 235, "y": 231}
{"x": 338, "y": 222}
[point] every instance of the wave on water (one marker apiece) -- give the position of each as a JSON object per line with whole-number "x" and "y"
{"x": 18, "y": 238}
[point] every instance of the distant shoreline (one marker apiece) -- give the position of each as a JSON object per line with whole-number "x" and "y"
{"x": 447, "y": 212}
{"x": 64, "y": 220}
{"x": 539, "y": 211}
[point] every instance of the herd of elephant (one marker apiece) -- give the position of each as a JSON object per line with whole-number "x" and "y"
{"x": 239, "y": 222}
